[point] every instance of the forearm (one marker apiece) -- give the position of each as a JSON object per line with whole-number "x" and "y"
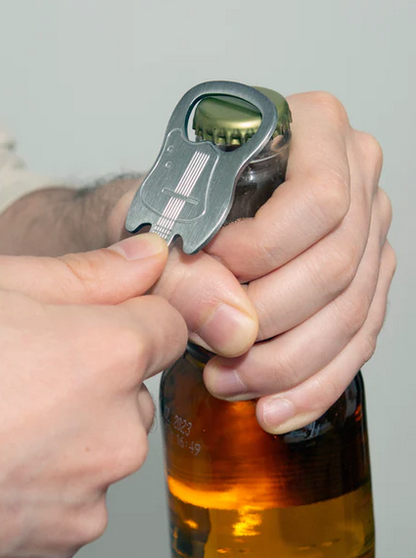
{"x": 60, "y": 220}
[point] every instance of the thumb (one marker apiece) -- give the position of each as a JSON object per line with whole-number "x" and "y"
{"x": 107, "y": 276}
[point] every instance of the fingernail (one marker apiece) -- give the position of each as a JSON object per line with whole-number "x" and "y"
{"x": 225, "y": 382}
{"x": 229, "y": 331}
{"x": 140, "y": 246}
{"x": 299, "y": 420}
{"x": 277, "y": 411}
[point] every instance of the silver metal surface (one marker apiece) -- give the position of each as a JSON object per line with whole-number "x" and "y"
{"x": 190, "y": 188}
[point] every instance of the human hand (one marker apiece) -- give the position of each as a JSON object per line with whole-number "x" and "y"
{"x": 77, "y": 342}
{"x": 216, "y": 309}
{"x": 318, "y": 268}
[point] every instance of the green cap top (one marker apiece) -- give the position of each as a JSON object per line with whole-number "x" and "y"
{"x": 231, "y": 121}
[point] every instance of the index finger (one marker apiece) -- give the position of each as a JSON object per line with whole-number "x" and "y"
{"x": 312, "y": 201}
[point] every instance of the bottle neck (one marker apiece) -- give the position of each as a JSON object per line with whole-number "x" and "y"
{"x": 198, "y": 353}
{"x": 260, "y": 179}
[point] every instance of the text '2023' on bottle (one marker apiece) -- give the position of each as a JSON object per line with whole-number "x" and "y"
{"x": 235, "y": 490}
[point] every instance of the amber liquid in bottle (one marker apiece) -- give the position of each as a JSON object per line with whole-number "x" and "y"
{"x": 237, "y": 491}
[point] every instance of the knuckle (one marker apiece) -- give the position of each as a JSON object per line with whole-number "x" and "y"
{"x": 147, "y": 408}
{"x": 86, "y": 271}
{"x": 285, "y": 374}
{"x": 332, "y": 108}
{"x": 266, "y": 312}
{"x": 331, "y": 196}
{"x": 391, "y": 258}
{"x": 329, "y": 388}
{"x": 130, "y": 454}
{"x": 372, "y": 150}
{"x": 92, "y": 525}
{"x": 265, "y": 324}
{"x": 353, "y": 313}
{"x": 346, "y": 268}
{"x": 385, "y": 207}
{"x": 338, "y": 269}
{"x": 265, "y": 250}
{"x": 368, "y": 347}
{"x": 131, "y": 351}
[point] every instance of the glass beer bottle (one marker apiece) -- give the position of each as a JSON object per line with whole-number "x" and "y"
{"x": 235, "y": 490}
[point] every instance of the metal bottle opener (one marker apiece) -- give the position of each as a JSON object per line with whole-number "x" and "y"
{"x": 190, "y": 188}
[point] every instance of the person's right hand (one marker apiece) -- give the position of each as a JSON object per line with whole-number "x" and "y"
{"x": 77, "y": 341}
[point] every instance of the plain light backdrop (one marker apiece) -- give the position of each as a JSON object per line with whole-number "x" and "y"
{"x": 87, "y": 88}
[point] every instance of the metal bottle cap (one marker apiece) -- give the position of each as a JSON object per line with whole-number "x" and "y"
{"x": 231, "y": 121}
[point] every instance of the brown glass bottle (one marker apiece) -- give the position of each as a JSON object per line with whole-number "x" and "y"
{"x": 235, "y": 490}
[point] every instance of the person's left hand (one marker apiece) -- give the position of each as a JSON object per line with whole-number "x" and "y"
{"x": 318, "y": 269}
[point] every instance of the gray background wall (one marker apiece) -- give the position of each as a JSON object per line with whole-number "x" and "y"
{"x": 87, "y": 88}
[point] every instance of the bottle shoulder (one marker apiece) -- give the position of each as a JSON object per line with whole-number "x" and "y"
{"x": 184, "y": 381}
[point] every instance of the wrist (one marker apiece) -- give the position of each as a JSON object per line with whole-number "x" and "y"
{"x": 38, "y": 223}
{"x": 102, "y": 210}
{"x": 59, "y": 220}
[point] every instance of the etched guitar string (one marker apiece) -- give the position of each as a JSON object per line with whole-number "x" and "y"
{"x": 184, "y": 189}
